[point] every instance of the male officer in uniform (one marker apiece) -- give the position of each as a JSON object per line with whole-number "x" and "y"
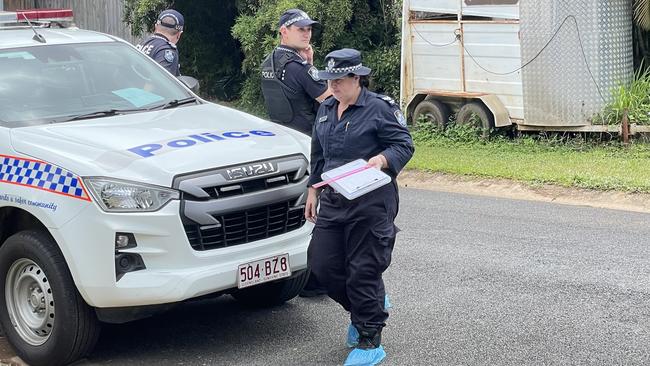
{"x": 161, "y": 45}
{"x": 290, "y": 84}
{"x": 291, "y": 87}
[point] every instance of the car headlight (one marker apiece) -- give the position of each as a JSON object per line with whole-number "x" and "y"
{"x": 123, "y": 196}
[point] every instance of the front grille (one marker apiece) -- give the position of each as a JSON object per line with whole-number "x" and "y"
{"x": 253, "y": 185}
{"x": 247, "y": 226}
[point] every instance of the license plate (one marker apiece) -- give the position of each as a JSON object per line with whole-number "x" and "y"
{"x": 263, "y": 270}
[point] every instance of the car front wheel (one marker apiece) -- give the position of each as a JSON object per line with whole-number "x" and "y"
{"x": 41, "y": 312}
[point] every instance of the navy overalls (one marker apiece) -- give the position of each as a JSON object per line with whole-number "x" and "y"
{"x": 353, "y": 240}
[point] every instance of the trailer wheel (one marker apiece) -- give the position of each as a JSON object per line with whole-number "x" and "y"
{"x": 42, "y": 314}
{"x": 432, "y": 111}
{"x": 475, "y": 114}
{"x": 272, "y": 293}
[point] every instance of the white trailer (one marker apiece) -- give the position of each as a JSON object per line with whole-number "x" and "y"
{"x": 536, "y": 65}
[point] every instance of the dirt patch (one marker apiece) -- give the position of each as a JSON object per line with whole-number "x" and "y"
{"x": 7, "y": 355}
{"x": 637, "y": 202}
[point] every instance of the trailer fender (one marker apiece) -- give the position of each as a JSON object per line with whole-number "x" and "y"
{"x": 499, "y": 111}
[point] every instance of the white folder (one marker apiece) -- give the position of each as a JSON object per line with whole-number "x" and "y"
{"x": 355, "y": 179}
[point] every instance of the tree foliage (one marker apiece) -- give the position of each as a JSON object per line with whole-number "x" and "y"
{"x": 225, "y": 41}
{"x": 207, "y": 49}
{"x": 371, "y": 26}
{"x": 141, "y": 14}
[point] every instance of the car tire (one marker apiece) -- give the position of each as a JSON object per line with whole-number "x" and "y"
{"x": 41, "y": 312}
{"x": 434, "y": 111}
{"x": 272, "y": 293}
{"x": 483, "y": 117}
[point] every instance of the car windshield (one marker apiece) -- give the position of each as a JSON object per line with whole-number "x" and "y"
{"x": 57, "y": 83}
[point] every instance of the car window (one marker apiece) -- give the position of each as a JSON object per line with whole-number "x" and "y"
{"x": 49, "y": 84}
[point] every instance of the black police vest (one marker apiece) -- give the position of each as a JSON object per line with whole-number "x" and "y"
{"x": 283, "y": 103}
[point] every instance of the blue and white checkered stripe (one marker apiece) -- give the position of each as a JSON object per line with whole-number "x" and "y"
{"x": 41, "y": 175}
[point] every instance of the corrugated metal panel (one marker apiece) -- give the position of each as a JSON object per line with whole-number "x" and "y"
{"x": 558, "y": 89}
{"x": 435, "y": 67}
{"x": 495, "y": 47}
{"x": 98, "y": 15}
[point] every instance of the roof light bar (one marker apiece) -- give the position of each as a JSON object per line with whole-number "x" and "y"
{"x": 36, "y": 15}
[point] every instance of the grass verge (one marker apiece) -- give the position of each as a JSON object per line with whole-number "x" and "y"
{"x": 561, "y": 161}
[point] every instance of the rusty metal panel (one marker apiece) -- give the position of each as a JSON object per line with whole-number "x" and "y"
{"x": 558, "y": 88}
{"x": 494, "y": 49}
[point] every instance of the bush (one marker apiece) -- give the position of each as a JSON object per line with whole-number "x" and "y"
{"x": 224, "y": 42}
{"x": 635, "y": 97}
{"x": 369, "y": 26}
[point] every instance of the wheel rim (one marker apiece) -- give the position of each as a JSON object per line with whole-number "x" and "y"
{"x": 29, "y": 301}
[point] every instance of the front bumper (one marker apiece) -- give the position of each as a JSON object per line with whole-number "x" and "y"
{"x": 174, "y": 271}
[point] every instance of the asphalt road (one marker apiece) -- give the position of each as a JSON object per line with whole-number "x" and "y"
{"x": 474, "y": 281}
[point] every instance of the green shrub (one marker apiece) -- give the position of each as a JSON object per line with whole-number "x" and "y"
{"x": 635, "y": 97}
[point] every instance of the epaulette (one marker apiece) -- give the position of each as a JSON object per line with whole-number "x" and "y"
{"x": 386, "y": 99}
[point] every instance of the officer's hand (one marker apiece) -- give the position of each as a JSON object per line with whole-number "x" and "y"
{"x": 308, "y": 54}
{"x": 378, "y": 161}
{"x": 311, "y": 205}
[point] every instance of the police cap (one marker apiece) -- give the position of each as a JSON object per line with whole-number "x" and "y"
{"x": 340, "y": 63}
{"x": 171, "y": 19}
{"x": 295, "y": 17}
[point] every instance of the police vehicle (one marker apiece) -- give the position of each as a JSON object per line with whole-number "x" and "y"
{"x": 122, "y": 192}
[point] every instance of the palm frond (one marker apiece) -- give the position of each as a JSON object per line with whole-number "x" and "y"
{"x": 642, "y": 13}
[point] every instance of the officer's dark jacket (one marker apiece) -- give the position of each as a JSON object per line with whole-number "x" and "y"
{"x": 372, "y": 125}
{"x": 158, "y": 47}
{"x": 290, "y": 88}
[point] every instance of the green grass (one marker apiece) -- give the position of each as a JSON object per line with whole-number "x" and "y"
{"x": 573, "y": 163}
{"x": 633, "y": 97}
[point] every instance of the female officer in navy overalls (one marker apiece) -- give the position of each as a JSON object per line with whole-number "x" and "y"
{"x": 353, "y": 240}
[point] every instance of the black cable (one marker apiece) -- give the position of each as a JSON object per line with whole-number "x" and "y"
{"x": 435, "y": 45}
{"x": 542, "y": 50}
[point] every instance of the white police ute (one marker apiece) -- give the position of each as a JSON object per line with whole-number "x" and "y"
{"x": 122, "y": 192}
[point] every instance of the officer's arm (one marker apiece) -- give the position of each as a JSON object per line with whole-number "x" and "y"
{"x": 317, "y": 160}
{"x": 393, "y": 134}
{"x": 168, "y": 59}
{"x": 307, "y": 77}
{"x": 324, "y": 96}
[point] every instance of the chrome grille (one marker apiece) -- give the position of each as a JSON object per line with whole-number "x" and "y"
{"x": 252, "y": 185}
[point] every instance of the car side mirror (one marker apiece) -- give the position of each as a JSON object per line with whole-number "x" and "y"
{"x": 190, "y": 82}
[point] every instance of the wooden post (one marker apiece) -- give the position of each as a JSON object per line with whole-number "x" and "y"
{"x": 625, "y": 128}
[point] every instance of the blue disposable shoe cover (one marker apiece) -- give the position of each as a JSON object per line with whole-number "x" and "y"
{"x": 365, "y": 357}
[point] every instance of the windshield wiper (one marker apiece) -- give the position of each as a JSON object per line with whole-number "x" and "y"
{"x": 97, "y": 114}
{"x": 174, "y": 103}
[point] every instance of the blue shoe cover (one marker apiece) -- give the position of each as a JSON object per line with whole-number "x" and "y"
{"x": 353, "y": 337}
{"x": 387, "y": 304}
{"x": 353, "y": 333}
{"x": 365, "y": 357}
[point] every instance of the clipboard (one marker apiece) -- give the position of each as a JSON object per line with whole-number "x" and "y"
{"x": 354, "y": 179}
